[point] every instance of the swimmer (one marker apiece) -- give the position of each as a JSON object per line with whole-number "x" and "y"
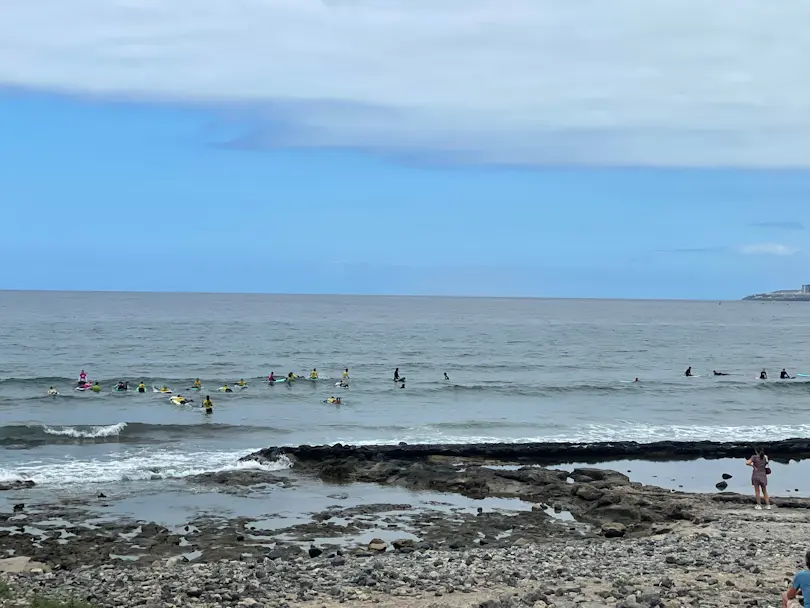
{"x": 208, "y": 405}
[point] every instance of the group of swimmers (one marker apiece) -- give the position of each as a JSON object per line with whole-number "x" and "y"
{"x": 763, "y": 375}
{"x": 84, "y": 384}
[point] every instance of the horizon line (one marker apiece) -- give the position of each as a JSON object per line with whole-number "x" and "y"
{"x": 362, "y": 295}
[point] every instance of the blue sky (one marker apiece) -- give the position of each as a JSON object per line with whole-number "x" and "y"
{"x": 142, "y": 147}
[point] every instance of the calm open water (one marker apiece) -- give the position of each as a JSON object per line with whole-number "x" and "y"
{"x": 520, "y": 370}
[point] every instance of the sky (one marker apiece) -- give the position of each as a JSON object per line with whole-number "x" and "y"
{"x": 505, "y": 148}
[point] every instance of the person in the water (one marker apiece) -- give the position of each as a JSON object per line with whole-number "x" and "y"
{"x": 197, "y": 384}
{"x": 446, "y": 377}
{"x": 141, "y": 388}
{"x": 716, "y": 373}
{"x": 688, "y": 371}
{"x": 313, "y": 375}
{"x": 208, "y": 404}
{"x": 271, "y": 377}
{"x": 763, "y": 375}
{"x": 52, "y": 392}
{"x": 396, "y": 375}
{"x": 784, "y": 375}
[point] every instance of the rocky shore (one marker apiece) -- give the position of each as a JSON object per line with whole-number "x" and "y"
{"x": 739, "y": 557}
{"x": 578, "y": 537}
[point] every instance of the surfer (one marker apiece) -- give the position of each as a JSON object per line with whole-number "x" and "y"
{"x": 271, "y": 377}
{"x": 688, "y": 372}
{"x": 346, "y": 374}
{"x": 180, "y": 400}
{"x": 783, "y": 375}
{"x": 141, "y": 387}
{"x": 403, "y": 385}
{"x": 636, "y": 380}
{"x": 342, "y": 384}
{"x": 241, "y": 383}
{"x": 446, "y": 377}
{"x": 208, "y": 405}
{"x": 763, "y": 375}
{"x": 165, "y": 389}
{"x": 290, "y": 377}
{"x": 224, "y": 388}
{"x": 122, "y": 386}
{"x": 314, "y": 374}
{"x": 716, "y": 373}
{"x": 396, "y": 375}
{"x": 52, "y": 392}
{"x": 197, "y": 384}
{"x": 96, "y": 388}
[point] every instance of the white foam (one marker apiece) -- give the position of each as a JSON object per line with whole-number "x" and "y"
{"x": 596, "y": 433}
{"x": 94, "y": 432}
{"x": 136, "y": 465}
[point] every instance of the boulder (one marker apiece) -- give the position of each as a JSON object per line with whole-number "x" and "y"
{"x": 377, "y": 544}
{"x": 589, "y": 492}
{"x": 613, "y": 530}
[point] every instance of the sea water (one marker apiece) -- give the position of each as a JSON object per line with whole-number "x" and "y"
{"x": 519, "y": 369}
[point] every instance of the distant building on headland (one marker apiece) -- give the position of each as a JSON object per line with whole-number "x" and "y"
{"x": 785, "y": 295}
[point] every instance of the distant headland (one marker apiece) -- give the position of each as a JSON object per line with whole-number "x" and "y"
{"x": 785, "y": 295}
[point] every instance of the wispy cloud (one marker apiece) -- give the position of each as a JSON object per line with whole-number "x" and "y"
{"x": 769, "y": 249}
{"x": 685, "y": 82}
{"x": 779, "y": 225}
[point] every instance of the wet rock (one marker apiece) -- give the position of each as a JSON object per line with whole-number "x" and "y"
{"x": 403, "y": 544}
{"x": 315, "y": 551}
{"x": 613, "y": 530}
{"x": 240, "y": 478}
{"x": 589, "y": 492}
{"x": 726, "y": 476}
{"x": 378, "y": 545}
{"x": 722, "y": 485}
{"x": 16, "y": 485}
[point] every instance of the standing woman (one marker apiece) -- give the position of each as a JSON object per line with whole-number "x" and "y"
{"x": 759, "y": 476}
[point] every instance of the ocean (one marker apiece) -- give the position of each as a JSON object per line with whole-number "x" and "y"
{"x": 519, "y": 369}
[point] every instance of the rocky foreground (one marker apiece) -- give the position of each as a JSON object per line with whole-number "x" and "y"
{"x": 738, "y": 557}
{"x": 591, "y": 538}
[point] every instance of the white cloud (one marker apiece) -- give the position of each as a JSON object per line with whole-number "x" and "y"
{"x": 769, "y": 249}
{"x": 683, "y": 82}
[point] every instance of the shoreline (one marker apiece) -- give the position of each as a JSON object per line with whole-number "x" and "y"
{"x": 718, "y": 562}
{"x": 525, "y": 535}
